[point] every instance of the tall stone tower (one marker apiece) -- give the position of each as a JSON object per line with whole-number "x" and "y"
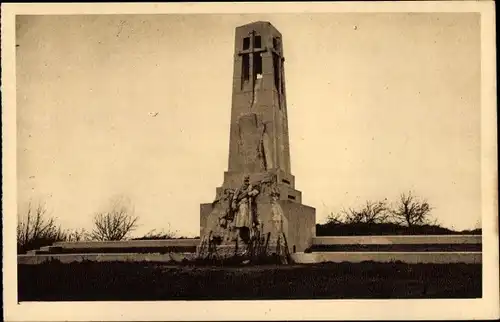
{"x": 259, "y": 90}
{"x": 258, "y": 141}
{"x": 259, "y": 145}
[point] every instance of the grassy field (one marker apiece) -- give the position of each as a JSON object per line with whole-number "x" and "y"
{"x": 91, "y": 281}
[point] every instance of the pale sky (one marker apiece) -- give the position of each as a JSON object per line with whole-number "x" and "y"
{"x": 378, "y": 104}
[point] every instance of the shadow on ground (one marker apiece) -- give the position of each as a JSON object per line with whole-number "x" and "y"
{"x": 113, "y": 281}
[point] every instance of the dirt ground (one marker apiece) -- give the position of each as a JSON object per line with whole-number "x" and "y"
{"x": 91, "y": 281}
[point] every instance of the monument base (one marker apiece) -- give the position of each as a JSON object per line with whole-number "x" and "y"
{"x": 299, "y": 223}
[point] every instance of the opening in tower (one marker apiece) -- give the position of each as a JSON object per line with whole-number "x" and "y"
{"x": 258, "y": 64}
{"x": 246, "y": 43}
{"x": 257, "y": 42}
{"x": 245, "y": 72}
{"x": 276, "y": 71}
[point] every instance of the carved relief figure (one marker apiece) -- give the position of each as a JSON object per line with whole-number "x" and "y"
{"x": 244, "y": 208}
{"x": 277, "y": 214}
{"x": 265, "y": 149}
{"x": 279, "y": 225}
{"x": 250, "y": 136}
{"x": 219, "y": 220}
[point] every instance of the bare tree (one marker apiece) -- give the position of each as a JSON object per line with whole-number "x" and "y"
{"x": 335, "y": 219}
{"x": 77, "y": 235}
{"x": 36, "y": 229}
{"x": 370, "y": 213}
{"x": 116, "y": 223}
{"x": 412, "y": 211}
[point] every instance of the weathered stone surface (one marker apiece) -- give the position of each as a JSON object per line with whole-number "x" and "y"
{"x": 128, "y": 243}
{"x": 386, "y": 240}
{"x": 259, "y": 153}
{"x": 387, "y": 257}
{"x": 259, "y": 89}
{"x": 123, "y": 257}
{"x": 251, "y": 144}
{"x": 126, "y": 246}
{"x": 301, "y": 225}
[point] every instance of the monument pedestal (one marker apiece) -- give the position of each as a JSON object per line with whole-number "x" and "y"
{"x": 299, "y": 223}
{"x": 258, "y": 193}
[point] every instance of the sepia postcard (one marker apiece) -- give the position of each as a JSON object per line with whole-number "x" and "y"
{"x": 249, "y": 161}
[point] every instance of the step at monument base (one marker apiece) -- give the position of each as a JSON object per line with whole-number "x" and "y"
{"x": 389, "y": 257}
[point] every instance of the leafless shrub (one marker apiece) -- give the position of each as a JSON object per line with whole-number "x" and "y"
{"x": 370, "y": 213}
{"x": 335, "y": 219}
{"x": 155, "y": 235}
{"x": 77, "y": 235}
{"x": 37, "y": 229}
{"x": 116, "y": 223}
{"x": 411, "y": 211}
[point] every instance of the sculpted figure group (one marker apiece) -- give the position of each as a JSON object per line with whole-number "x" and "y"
{"x": 234, "y": 218}
{"x": 235, "y": 213}
{"x": 239, "y": 221}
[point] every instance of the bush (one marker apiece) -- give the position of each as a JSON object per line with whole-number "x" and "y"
{"x": 411, "y": 216}
{"x": 476, "y": 231}
{"x": 360, "y": 229}
{"x": 155, "y": 235}
{"x": 36, "y": 229}
{"x": 114, "y": 224}
{"x": 370, "y": 213}
{"x": 76, "y": 235}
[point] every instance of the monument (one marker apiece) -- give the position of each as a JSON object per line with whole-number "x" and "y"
{"x": 257, "y": 203}
{"x": 257, "y": 209}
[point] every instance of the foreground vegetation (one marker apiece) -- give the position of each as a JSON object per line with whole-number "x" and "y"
{"x": 114, "y": 281}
